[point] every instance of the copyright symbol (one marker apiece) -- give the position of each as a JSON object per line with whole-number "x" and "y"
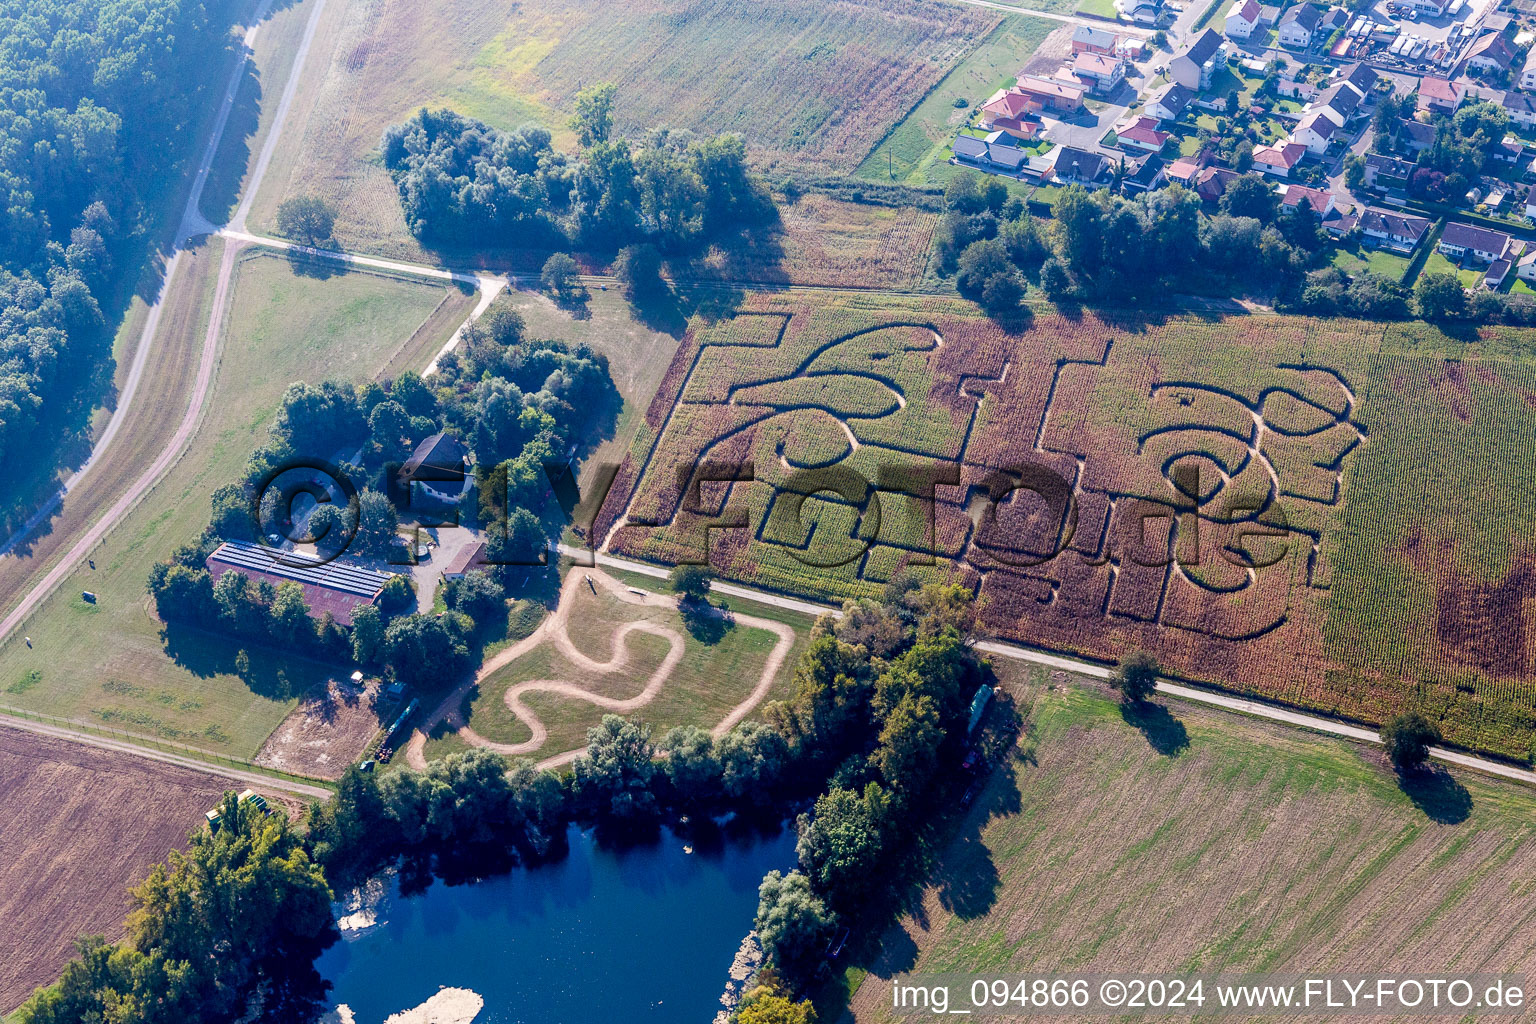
{"x": 1112, "y": 992}
{"x": 281, "y": 514}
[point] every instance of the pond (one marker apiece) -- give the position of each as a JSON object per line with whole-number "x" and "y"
{"x": 644, "y": 934}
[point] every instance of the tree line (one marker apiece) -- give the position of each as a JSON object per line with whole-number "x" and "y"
{"x": 96, "y": 101}
{"x": 871, "y": 734}
{"x": 462, "y": 182}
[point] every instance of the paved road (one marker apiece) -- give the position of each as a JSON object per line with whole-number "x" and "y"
{"x": 1242, "y": 705}
{"x": 1069, "y": 19}
{"x": 254, "y": 779}
{"x": 192, "y": 225}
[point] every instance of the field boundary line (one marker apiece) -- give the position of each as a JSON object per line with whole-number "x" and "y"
{"x": 1241, "y": 705}
{"x": 252, "y": 775}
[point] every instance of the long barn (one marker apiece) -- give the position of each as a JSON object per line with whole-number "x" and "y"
{"x": 335, "y": 586}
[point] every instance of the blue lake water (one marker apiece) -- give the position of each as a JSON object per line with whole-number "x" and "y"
{"x": 646, "y": 934}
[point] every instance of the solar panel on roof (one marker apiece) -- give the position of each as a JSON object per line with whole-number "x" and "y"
{"x": 347, "y": 577}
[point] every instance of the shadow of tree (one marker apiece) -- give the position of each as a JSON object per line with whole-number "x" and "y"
{"x": 705, "y": 622}
{"x": 1436, "y": 792}
{"x": 315, "y": 267}
{"x": 1164, "y": 733}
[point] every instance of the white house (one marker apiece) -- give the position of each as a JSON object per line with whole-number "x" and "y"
{"x": 1242, "y": 19}
{"x": 1528, "y": 71}
{"x": 1458, "y": 240}
{"x": 1098, "y": 72}
{"x": 1279, "y": 159}
{"x": 1195, "y": 67}
{"x": 1169, "y": 102}
{"x": 1315, "y": 132}
{"x": 1299, "y": 25}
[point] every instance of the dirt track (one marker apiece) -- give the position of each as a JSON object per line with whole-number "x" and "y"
{"x": 554, "y": 631}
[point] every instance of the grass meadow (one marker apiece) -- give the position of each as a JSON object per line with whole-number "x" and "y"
{"x": 916, "y": 151}
{"x": 812, "y": 87}
{"x": 107, "y": 663}
{"x": 717, "y": 672}
{"x": 1193, "y": 840}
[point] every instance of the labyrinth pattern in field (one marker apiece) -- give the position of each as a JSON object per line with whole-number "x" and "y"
{"x": 1101, "y": 485}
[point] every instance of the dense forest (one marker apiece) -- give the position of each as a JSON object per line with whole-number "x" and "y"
{"x": 97, "y": 102}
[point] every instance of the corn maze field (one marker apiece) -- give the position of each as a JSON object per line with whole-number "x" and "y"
{"x": 1278, "y": 506}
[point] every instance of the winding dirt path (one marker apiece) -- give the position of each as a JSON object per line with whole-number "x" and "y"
{"x": 553, "y": 630}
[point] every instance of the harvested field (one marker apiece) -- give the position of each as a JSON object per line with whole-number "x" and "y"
{"x": 326, "y": 732}
{"x": 1194, "y": 840}
{"x": 825, "y": 241}
{"x": 811, "y": 86}
{"x": 1186, "y": 486}
{"x": 81, "y": 825}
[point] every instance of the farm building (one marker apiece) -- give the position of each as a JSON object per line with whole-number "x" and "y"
{"x": 437, "y": 465}
{"x": 338, "y": 586}
{"x": 470, "y": 558}
{"x": 438, "y": 458}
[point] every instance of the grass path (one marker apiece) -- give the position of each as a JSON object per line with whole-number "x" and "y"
{"x": 555, "y": 630}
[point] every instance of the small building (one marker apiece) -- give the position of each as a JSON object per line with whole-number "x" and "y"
{"x": 1242, "y": 19}
{"x": 1170, "y": 102}
{"x": 1338, "y": 103}
{"x": 1387, "y": 229}
{"x": 1299, "y": 25}
{"x": 1051, "y": 94}
{"x": 1074, "y": 166}
{"x": 1006, "y": 159}
{"x": 1211, "y": 183}
{"x": 1520, "y": 109}
{"x": 1528, "y": 71}
{"x": 1414, "y": 137}
{"x": 1024, "y": 129}
{"x": 1142, "y": 12}
{"x": 470, "y": 558}
{"x": 1360, "y": 77}
{"x": 1148, "y": 176}
{"x": 1387, "y": 172}
{"x": 1315, "y": 132}
{"x": 1143, "y": 135}
{"x": 1196, "y": 66}
{"x": 1529, "y": 210}
{"x": 1183, "y": 171}
{"x": 1300, "y": 197}
{"x": 1098, "y": 72}
{"x": 1492, "y": 53}
{"x": 1088, "y": 39}
{"x": 337, "y": 586}
{"x": 1279, "y": 159}
{"x": 438, "y": 466}
{"x": 1008, "y": 103}
{"x": 1459, "y": 241}
{"x": 1498, "y": 270}
{"x": 1440, "y": 94}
